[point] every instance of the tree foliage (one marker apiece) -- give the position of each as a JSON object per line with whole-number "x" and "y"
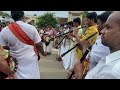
{"x": 85, "y": 14}
{"x": 46, "y": 19}
{"x": 4, "y": 14}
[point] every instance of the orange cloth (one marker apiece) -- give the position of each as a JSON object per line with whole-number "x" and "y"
{"x": 22, "y": 36}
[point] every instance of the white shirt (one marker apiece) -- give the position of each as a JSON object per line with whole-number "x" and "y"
{"x": 25, "y": 55}
{"x": 107, "y": 68}
{"x": 98, "y": 52}
{"x": 66, "y": 41}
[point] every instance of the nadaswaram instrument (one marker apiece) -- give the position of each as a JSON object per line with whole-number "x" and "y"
{"x": 77, "y": 45}
{"x": 70, "y": 31}
{"x": 84, "y": 55}
{"x": 81, "y": 60}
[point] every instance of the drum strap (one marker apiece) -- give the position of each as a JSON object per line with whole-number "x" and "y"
{"x": 22, "y": 36}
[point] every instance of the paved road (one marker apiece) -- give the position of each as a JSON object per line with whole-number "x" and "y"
{"x": 52, "y": 69}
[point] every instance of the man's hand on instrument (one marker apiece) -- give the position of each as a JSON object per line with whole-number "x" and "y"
{"x": 78, "y": 69}
{"x": 83, "y": 45}
{"x": 70, "y": 35}
{"x": 75, "y": 32}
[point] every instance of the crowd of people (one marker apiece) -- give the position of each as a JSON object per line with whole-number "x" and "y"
{"x": 4, "y": 24}
{"x": 48, "y": 34}
{"x": 89, "y": 48}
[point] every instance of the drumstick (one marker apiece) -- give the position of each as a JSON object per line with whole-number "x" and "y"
{"x": 77, "y": 45}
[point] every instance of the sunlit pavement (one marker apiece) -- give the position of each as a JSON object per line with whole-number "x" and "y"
{"x": 50, "y": 68}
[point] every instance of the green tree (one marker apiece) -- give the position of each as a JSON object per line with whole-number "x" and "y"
{"x": 46, "y": 19}
{"x": 4, "y": 14}
{"x": 35, "y": 14}
{"x": 85, "y": 14}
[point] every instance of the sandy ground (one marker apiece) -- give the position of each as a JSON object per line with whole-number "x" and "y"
{"x": 50, "y": 68}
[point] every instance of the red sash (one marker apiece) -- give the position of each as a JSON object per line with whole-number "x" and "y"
{"x": 22, "y": 36}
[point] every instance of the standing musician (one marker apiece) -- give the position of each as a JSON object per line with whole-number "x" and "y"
{"x": 24, "y": 43}
{"x": 98, "y": 50}
{"x": 60, "y": 42}
{"x": 43, "y": 35}
{"x": 57, "y": 40}
{"x": 91, "y": 22}
{"x": 108, "y": 67}
{"x": 72, "y": 42}
{"x": 76, "y": 24}
{"x": 50, "y": 33}
{"x": 65, "y": 46}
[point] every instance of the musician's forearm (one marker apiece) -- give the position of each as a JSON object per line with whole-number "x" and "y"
{"x": 40, "y": 48}
{"x": 78, "y": 69}
{"x": 79, "y": 76}
{"x": 77, "y": 38}
{"x": 42, "y": 51}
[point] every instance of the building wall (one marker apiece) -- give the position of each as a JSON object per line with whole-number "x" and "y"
{"x": 74, "y": 14}
{"x": 32, "y": 18}
{"x": 62, "y": 20}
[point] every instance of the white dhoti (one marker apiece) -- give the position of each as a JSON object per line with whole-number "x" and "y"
{"x": 44, "y": 46}
{"x": 28, "y": 68}
{"x": 66, "y": 58}
{"x": 49, "y": 47}
{"x": 72, "y": 59}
